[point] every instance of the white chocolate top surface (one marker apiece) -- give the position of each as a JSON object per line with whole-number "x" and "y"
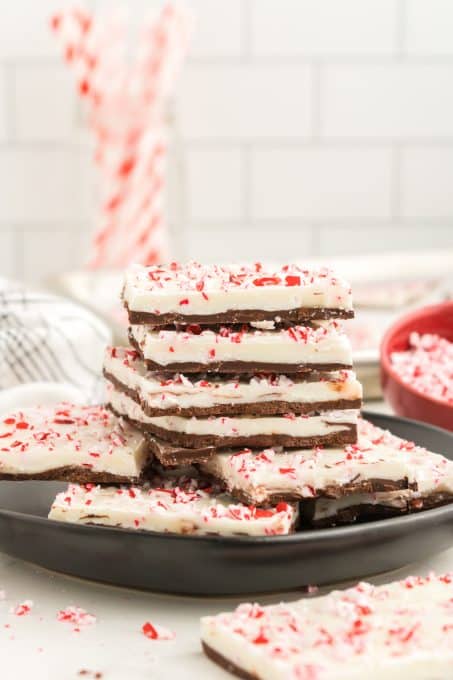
{"x": 195, "y": 289}
{"x": 177, "y": 505}
{"x": 37, "y": 439}
{"x": 323, "y": 343}
{"x": 185, "y": 391}
{"x": 399, "y": 631}
{"x": 304, "y": 472}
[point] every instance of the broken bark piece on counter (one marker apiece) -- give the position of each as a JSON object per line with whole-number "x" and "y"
{"x": 322, "y": 346}
{"x": 71, "y": 443}
{"x": 399, "y": 630}
{"x": 333, "y": 428}
{"x": 177, "y": 505}
{"x": 379, "y": 462}
{"x": 331, "y": 512}
{"x": 206, "y": 394}
{"x": 206, "y": 294}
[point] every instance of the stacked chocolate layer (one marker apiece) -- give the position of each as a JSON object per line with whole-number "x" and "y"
{"x": 235, "y": 357}
{"x": 247, "y": 374}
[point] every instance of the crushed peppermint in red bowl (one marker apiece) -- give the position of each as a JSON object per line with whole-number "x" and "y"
{"x": 427, "y": 366}
{"x": 417, "y": 365}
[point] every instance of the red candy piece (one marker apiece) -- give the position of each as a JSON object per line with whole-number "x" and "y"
{"x": 156, "y": 632}
{"x": 267, "y": 281}
{"x": 292, "y": 280}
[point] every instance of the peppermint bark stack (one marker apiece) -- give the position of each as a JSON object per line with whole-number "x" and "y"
{"x": 235, "y": 412}
{"x": 233, "y": 357}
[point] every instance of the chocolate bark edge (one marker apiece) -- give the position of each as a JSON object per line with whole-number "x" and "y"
{"x": 268, "y": 408}
{"x": 194, "y": 441}
{"x": 71, "y": 474}
{"x": 240, "y": 316}
{"x": 332, "y": 491}
{"x": 227, "y": 665}
{"x": 249, "y": 367}
{"x": 368, "y": 512}
{"x": 235, "y": 367}
{"x": 174, "y": 456}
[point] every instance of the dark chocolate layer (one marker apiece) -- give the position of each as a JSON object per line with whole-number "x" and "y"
{"x": 226, "y": 664}
{"x": 368, "y": 512}
{"x": 240, "y": 316}
{"x": 172, "y": 456}
{"x": 363, "y": 486}
{"x": 73, "y": 474}
{"x": 268, "y": 408}
{"x": 234, "y": 367}
{"x": 196, "y": 441}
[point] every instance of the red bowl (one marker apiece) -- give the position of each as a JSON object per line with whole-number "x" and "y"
{"x": 404, "y": 400}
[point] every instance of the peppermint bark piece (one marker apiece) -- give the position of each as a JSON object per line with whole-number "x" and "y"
{"x": 333, "y": 428}
{"x": 400, "y": 630}
{"x": 177, "y": 505}
{"x": 208, "y": 395}
{"x": 323, "y": 346}
{"x": 71, "y": 443}
{"x": 328, "y": 512}
{"x": 379, "y": 462}
{"x": 206, "y": 294}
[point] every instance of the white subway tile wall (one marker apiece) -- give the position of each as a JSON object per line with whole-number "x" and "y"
{"x": 301, "y": 127}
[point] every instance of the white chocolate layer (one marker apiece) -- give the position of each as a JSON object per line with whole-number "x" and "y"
{"x": 194, "y": 289}
{"x": 186, "y": 392}
{"x": 306, "y": 472}
{"x": 176, "y": 506}
{"x": 236, "y": 426}
{"x": 324, "y": 343}
{"x": 399, "y": 631}
{"x": 37, "y": 440}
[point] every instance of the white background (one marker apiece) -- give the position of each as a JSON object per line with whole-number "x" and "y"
{"x": 303, "y": 127}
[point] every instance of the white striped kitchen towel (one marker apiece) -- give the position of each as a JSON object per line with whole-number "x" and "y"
{"x": 47, "y": 339}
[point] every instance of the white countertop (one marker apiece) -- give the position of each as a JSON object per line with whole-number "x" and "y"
{"x": 38, "y": 646}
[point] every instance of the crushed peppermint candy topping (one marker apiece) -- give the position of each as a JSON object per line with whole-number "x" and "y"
{"x": 22, "y": 609}
{"x": 427, "y": 366}
{"x": 193, "y": 289}
{"x": 315, "y": 333}
{"x": 176, "y": 503}
{"x": 76, "y": 616}
{"x": 155, "y": 632}
{"x": 344, "y": 633}
{"x": 193, "y": 276}
{"x": 305, "y": 473}
{"x": 86, "y": 436}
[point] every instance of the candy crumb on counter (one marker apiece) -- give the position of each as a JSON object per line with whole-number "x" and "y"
{"x": 155, "y": 632}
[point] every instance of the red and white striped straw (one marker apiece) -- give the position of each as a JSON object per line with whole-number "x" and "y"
{"x": 126, "y": 103}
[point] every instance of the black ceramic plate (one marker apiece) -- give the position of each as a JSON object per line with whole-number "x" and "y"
{"x": 214, "y": 565}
